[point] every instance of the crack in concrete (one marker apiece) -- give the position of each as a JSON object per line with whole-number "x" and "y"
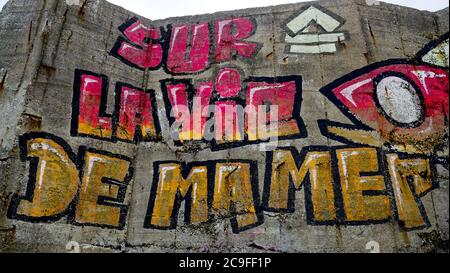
{"x": 259, "y": 247}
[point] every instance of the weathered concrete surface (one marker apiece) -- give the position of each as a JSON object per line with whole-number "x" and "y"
{"x": 44, "y": 42}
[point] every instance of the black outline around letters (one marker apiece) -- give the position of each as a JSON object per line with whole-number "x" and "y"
{"x": 435, "y": 185}
{"x": 103, "y": 200}
{"x": 164, "y": 41}
{"x": 211, "y": 166}
{"x": 76, "y": 103}
{"x": 299, "y": 158}
{"x": 214, "y": 145}
{"x": 383, "y": 168}
{"x": 260, "y": 207}
{"x": 122, "y": 28}
{"x": 115, "y": 115}
{"x": 138, "y": 138}
{"x": 78, "y": 161}
{"x": 359, "y": 125}
{"x": 31, "y": 183}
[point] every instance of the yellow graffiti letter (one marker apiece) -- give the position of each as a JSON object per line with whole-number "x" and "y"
{"x": 419, "y": 171}
{"x": 233, "y": 189}
{"x": 318, "y": 164}
{"x": 171, "y": 188}
{"x": 103, "y": 186}
{"x": 358, "y": 205}
{"x": 55, "y": 180}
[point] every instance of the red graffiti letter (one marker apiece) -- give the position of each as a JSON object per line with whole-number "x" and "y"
{"x": 228, "y": 83}
{"x": 199, "y": 49}
{"x": 227, "y": 122}
{"x": 136, "y": 111}
{"x": 139, "y": 51}
{"x": 89, "y": 117}
{"x": 282, "y": 92}
{"x": 229, "y": 36}
{"x": 193, "y": 124}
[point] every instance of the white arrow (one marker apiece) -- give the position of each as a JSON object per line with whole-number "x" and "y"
{"x": 313, "y": 14}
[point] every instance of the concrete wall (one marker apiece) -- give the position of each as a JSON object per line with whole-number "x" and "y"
{"x": 362, "y": 155}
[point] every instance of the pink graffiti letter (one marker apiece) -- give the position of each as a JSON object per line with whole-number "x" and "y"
{"x": 199, "y": 49}
{"x": 282, "y": 93}
{"x": 192, "y": 121}
{"x": 229, "y": 36}
{"x": 136, "y": 111}
{"x": 89, "y": 117}
{"x": 139, "y": 51}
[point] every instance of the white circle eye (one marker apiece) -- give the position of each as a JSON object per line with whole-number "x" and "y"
{"x": 399, "y": 100}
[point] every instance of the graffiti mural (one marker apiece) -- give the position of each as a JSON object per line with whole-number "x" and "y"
{"x": 211, "y": 190}
{"x": 135, "y": 116}
{"x": 150, "y": 48}
{"x": 386, "y": 162}
{"x": 399, "y": 103}
{"x": 89, "y": 188}
{"x": 285, "y": 92}
{"x": 337, "y": 192}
